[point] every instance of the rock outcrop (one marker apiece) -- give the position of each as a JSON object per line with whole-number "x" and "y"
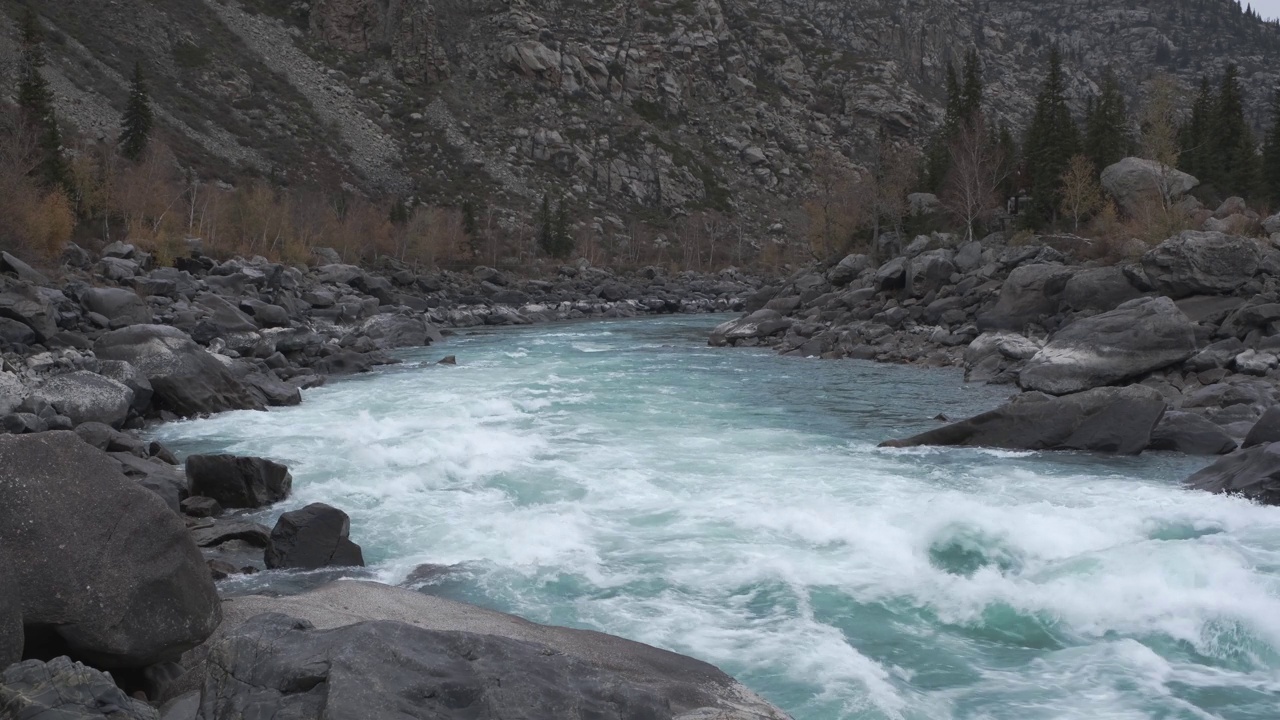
{"x": 65, "y": 690}
{"x": 1253, "y": 473}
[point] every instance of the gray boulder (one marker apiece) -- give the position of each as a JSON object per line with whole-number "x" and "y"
{"x": 88, "y": 397}
{"x": 1112, "y": 420}
{"x": 1266, "y": 430}
{"x": 316, "y": 536}
{"x": 1218, "y": 355}
{"x": 224, "y": 316}
{"x": 1201, "y": 263}
{"x": 1253, "y": 473}
{"x": 1136, "y": 183}
{"x": 11, "y": 634}
{"x": 100, "y": 563}
{"x": 130, "y": 377}
{"x": 399, "y": 331}
{"x": 1192, "y": 434}
{"x": 65, "y": 690}
{"x": 25, "y": 303}
{"x": 236, "y": 481}
{"x": 1137, "y": 337}
{"x": 187, "y": 380}
{"x": 12, "y": 392}
{"x": 21, "y": 269}
{"x": 892, "y": 275}
{"x": 1272, "y": 224}
{"x": 1098, "y": 289}
{"x": 369, "y": 651}
{"x": 121, "y": 307}
{"x": 13, "y": 332}
{"x": 995, "y": 357}
{"x": 1028, "y": 294}
{"x": 759, "y": 324}
{"x": 929, "y": 271}
{"x": 848, "y": 269}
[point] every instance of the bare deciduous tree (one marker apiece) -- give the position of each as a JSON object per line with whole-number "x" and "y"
{"x": 971, "y": 192}
{"x": 1081, "y": 193}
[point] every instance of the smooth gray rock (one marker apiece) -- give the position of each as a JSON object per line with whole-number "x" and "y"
{"x": 369, "y": 651}
{"x": 130, "y": 377}
{"x": 13, "y": 332}
{"x": 1192, "y": 434}
{"x": 186, "y": 379}
{"x": 12, "y": 392}
{"x": 217, "y": 532}
{"x": 1028, "y": 294}
{"x": 929, "y": 271}
{"x": 25, "y": 303}
{"x": 399, "y": 331}
{"x": 238, "y": 482}
{"x": 271, "y": 390}
{"x": 1196, "y": 262}
{"x": 227, "y": 318}
{"x": 1253, "y": 473}
{"x": 1112, "y": 420}
{"x": 316, "y": 536}
{"x": 1137, "y": 337}
{"x": 1218, "y": 355}
{"x": 1099, "y": 289}
{"x": 167, "y": 481}
{"x": 759, "y": 324}
{"x": 1266, "y": 430}
{"x": 121, "y": 307}
{"x": 88, "y": 397}
{"x": 100, "y": 562}
{"x": 21, "y": 269}
{"x": 65, "y": 690}
{"x": 1137, "y": 182}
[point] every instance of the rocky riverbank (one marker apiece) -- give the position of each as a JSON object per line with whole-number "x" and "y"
{"x": 109, "y": 548}
{"x": 1177, "y": 350}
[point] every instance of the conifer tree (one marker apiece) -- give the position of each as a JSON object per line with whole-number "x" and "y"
{"x": 1271, "y": 156}
{"x": 135, "y": 128}
{"x": 1194, "y": 136}
{"x": 964, "y": 102}
{"x": 1052, "y": 140}
{"x": 1107, "y": 139}
{"x": 970, "y": 100}
{"x": 35, "y": 100}
{"x": 1234, "y": 169}
{"x": 546, "y": 231}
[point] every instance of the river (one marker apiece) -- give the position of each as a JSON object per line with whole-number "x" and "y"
{"x": 732, "y": 505}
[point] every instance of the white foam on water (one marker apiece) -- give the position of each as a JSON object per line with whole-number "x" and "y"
{"x": 733, "y": 506}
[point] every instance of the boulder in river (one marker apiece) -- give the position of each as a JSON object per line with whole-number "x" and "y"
{"x": 1192, "y": 434}
{"x": 1111, "y": 420}
{"x": 238, "y": 481}
{"x": 1253, "y": 473}
{"x": 1195, "y": 262}
{"x": 759, "y": 324}
{"x": 370, "y": 651}
{"x": 105, "y": 571}
{"x": 1139, "y": 336}
{"x": 62, "y": 689}
{"x": 316, "y": 536}
{"x": 187, "y": 380}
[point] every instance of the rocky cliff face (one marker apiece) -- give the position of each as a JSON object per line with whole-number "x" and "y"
{"x": 631, "y": 106}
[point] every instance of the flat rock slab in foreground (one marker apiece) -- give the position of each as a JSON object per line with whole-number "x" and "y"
{"x": 1112, "y": 420}
{"x": 1253, "y": 473}
{"x": 64, "y": 690}
{"x": 369, "y": 651}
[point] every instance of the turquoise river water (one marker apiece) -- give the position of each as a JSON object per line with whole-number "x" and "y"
{"x": 732, "y": 505}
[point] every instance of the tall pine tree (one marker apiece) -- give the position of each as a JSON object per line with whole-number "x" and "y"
{"x": 1271, "y": 156}
{"x": 135, "y": 128}
{"x": 35, "y": 100}
{"x": 1194, "y": 137}
{"x": 964, "y": 102}
{"x": 1107, "y": 138}
{"x": 1052, "y": 139}
{"x": 1235, "y": 166}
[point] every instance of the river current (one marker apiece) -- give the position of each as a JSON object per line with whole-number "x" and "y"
{"x": 732, "y": 505}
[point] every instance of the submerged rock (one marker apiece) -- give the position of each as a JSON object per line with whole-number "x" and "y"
{"x": 1112, "y": 420}
{"x": 316, "y": 536}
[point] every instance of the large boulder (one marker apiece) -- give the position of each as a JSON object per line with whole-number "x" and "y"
{"x": 1266, "y": 430}
{"x": 1192, "y": 434}
{"x": 1137, "y": 337}
{"x": 25, "y": 303}
{"x": 238, "y": 482}
{"x": 1113, "y": 420}
{"x": 370, "y": 651}
{"x": 1196, "y": 262}
{"x": 996, "y": 357}
{"x": 187, "y": 380}
{"x": 224, "y": 316}
{"x": 1253, "y": 473}
{"x": 1136, "y": 183}
{"x": 757, "y": 325}
{"x": 929, "y": 271}
{"x": 1028, "y": 294}
{"x": 1098, "y": 289}
{"x": 121, "y": 307}
{"x": 65, "y": 690}
{"x": 316, "y": 536}
{"x": 88, "y": 397}
{"x": 390, "y": 331}
{"x": 105, "y": 571}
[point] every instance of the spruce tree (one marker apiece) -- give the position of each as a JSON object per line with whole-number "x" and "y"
{"x": 135, "y": 128}
{"x": 970, "y": 100}
{"x": 563, "y": 245}
{"x": 938, "y": 157}
{"x": 1234, "y": 170}
{"x": 1052, "y": 139}
{"x": 1107, "y": 139}
{"x": 35, "y": 100}
{"x": 546, "y": 229}
{"x": 1194, "y": 139}
{"x": 1271, "y": 156}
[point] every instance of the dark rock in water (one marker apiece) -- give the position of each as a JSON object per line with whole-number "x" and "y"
{"x": 217, "y": 532}
{"x": 187, "y": 380}
{"x": 1029, "y": 293}
{"x": 1191, "y": 434}
{"x": 399, "y": 331}
{"x": 272, "y": 391}
{"x": 221, "y": 569}
{"x": 87, "y": 397}
{"x": 447, "y": 360}
{"x": 1266, "y": 430}
{"x": 119, "y": 306}
{"x": 428, "y": 573}
{"x": 344, "y": 363}
{"x": 1137, "y": 337}
{"x": 201, "y": 507}
{"x": 100, "y": 563}
{"x": 1253, "y": 473}
{"x": 314, "y": 537}
{"x": 64, "y": 690}
{"x": 238, "y": 482}
{"x": 759, "y": 324}
{"x": 1194, "y": 262}
{"x": 1112, "y": 420}
{"x": 409, "y": 655}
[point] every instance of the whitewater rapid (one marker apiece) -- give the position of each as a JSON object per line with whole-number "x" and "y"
{"x": 732, "y": 505}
